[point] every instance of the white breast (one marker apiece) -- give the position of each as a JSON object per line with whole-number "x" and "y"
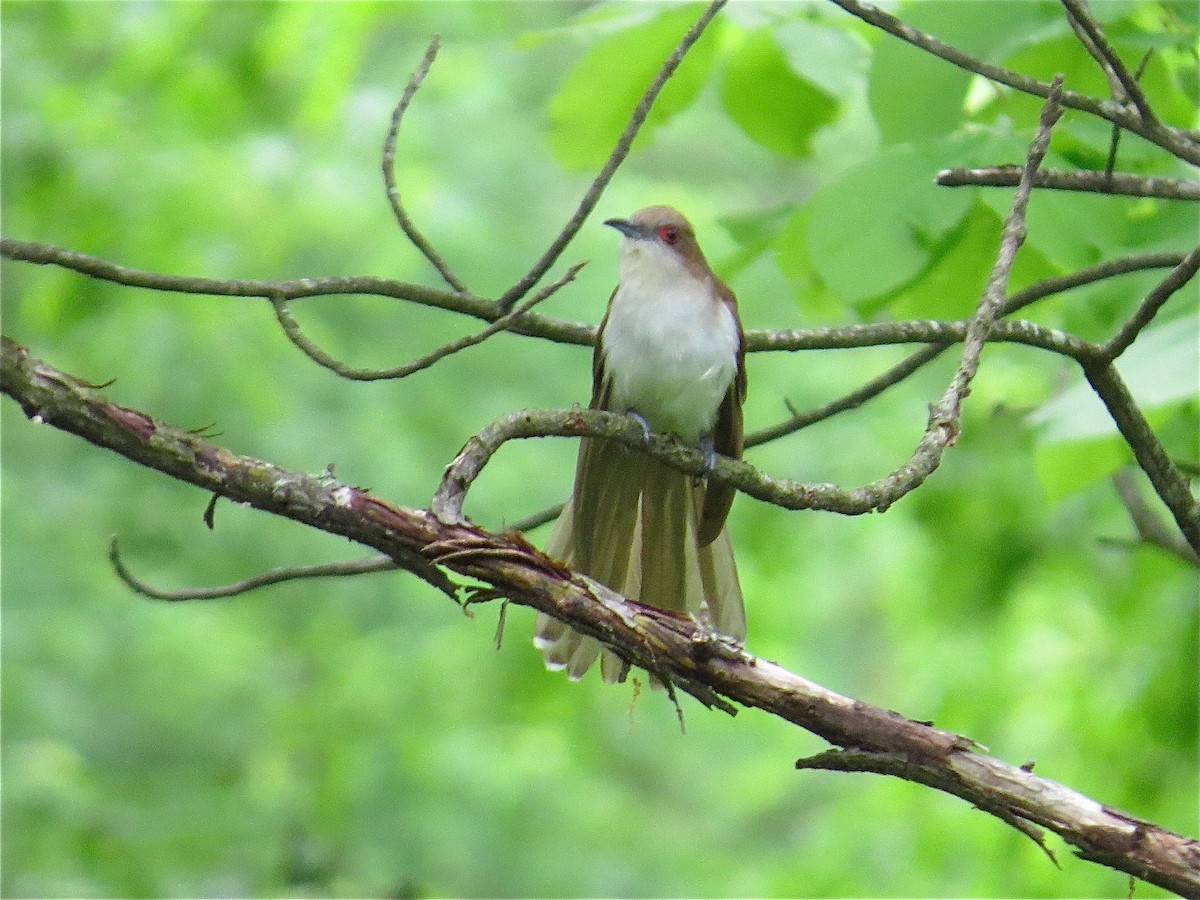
{"x": 670, "y": 347}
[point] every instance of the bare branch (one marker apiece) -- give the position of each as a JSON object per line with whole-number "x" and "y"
{"x": 945, "y": 416}
{"x": 558, "y": 330}
{"x": 274, "y": 576}
{"x": 878, "y": 334}
{"x": 620, "y": 151}
{"x": 562, "y": 331}
{"x": 1084, "y": 180}
{"x": 1149, "y": 307}
{"x": 1168, "y": 483}
{"x": 1037, "y": 801}
{"x": 292, "y": 329}
{"x": 1110, "y": 163}
{"x": 532, "y": 521}
{"x": 1090, "y": 275}
{"x": 1177, "y": 142}
{"x": 671, "y": 647}
{"x": 1019, "y": 300}
{"x": 852, "y": 400}
{"x": 1124, "y": 86}
{"x": 389, "y": 172}
{"x": 1150, "y": 528}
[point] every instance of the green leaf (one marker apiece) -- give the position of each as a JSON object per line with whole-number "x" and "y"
{"x": 792, "y": 256}
{"x": 769, "y": 101}
{"x": 591, "y": 109}
{"x": 914, "y": 95}
{"x": 1064, "y": 467}
{"x": 951, "y": 287}
{"x": 881, "y": 225}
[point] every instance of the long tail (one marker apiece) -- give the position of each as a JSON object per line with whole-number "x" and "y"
{"x": 631, "y": 524}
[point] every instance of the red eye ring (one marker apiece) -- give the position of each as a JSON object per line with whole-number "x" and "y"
{"x": 669, "y": 234}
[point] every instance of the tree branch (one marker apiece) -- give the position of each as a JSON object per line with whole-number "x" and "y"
{"x": 389, "y": 172}
{"x": 1149, "y": 307}
{"x": 1168, "y": 483}
{"x": 852, "y": 400}
{"x": 1124, "y": 86}
{"x": 1177, "y": 142}
{"x": 671, "y": 647}
{"x": 1083, "y": 180}
{"x": 565, "y": 332}
{"x": 1150, "y": 528}
{"x": 291, "y": 329}
{"x": 1110, "y": 268}
{"x": 274, "y": 576}
{"x": 558, "y": 330}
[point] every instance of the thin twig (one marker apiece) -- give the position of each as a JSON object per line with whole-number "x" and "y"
{"x": 1110, "y": 162}
{"x": 1150, "y": 527}
{"x": 1090, "y": 275}
{"x": 1124, "y": 86}
{"x": 945, "y": 417}
{"x": 1153, "y": 302}
{"x": 620, "y": 151}
{"x": 274, "y": 576}
{"x": 852, "y": 400}
{"x": 1084, "y": 180}
{"x": 532, "y": 521}
{"x": 389, "y": 172}
{"x": 1168, "y": 482}
{"x": 292, "y": 329}
{"x": 558, "y": 330}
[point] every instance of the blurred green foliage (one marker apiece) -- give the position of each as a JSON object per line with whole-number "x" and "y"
{"x": 361, "y": 737}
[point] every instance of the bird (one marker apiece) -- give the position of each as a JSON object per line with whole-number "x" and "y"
{"x": 670, "y": 353}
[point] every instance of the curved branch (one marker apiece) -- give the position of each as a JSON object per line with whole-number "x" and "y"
{"x": 671, "y": 647}
{"x": 620, "y": 151}
{"x": 291, "y": 329}
{"x": 1108, "y": 269}
{"x": 1149, "y": 307}
{"x": 1150, "y": 528}
{"x": 274, "y": 576}
{"x": 558, "y": 330}
{"x": 1168, "y": 482}
{"x": 389, "y": 172}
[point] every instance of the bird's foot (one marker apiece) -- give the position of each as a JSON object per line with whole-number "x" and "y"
{"x": 709, "y": 450}
{"x": 641, "y": 420}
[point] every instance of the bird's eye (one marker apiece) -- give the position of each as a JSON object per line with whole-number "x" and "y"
{"x": 669, "y": 234}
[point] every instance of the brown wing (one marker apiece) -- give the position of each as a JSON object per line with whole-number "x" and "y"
{"x": 727, "y": 436}
{"x": 599, "y": 387}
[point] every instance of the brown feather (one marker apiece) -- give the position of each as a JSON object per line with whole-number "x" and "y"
{"x": 648, "y": 531}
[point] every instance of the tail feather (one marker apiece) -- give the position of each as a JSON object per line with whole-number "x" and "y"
{"x": 633, "y": 524}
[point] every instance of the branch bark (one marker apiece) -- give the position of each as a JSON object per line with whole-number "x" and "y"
{"x": 1082, "y": 180}
{"x": 715, "y": 672}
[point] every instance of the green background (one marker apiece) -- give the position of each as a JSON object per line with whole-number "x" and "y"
{"x": 361, "y": 736}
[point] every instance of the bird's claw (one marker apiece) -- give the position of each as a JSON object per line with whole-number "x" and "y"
{"x": 709, "y": 450}
{"x": 641, "y": 420}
